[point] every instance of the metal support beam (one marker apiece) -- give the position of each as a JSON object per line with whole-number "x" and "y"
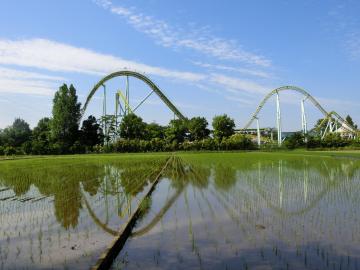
{"x": 104, "y": 124}
{"x": 303, "y": 117}
{"x": 278, "y": 119}
{"x": 258, "y": 132}
{"x": 143, "y": 100}
{"x": 127, "y": 95}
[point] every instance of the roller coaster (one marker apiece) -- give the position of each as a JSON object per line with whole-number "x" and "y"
{"x": 332, "y": 121}
{"x": 122, "y": 100}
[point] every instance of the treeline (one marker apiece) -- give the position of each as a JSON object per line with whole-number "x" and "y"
{"x": 62, "y": 133}
{"x": 330, "y": 141}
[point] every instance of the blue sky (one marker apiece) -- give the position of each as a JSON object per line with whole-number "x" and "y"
{"x": 208, "y": 57}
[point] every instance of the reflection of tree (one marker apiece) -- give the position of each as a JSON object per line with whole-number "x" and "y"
{"x": 91, "y": 186}
{"x": 62, "y": 178}
{"x": 68, "y": 203}
{"x": 133, "y": 180}
{"x": 225, "y": 176}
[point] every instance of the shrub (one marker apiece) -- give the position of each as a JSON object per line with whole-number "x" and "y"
{"x": 9, "y": 151}
{"x": 297, "y": 140}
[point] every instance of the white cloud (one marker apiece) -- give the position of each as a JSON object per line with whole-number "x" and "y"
{"x": 24, "y": 82}
{"x": 55, "y": 56}
{"x": 14, "y": 73}
{"x": 234, "y": 85}
{"x": 199, "y": 40}
{"x": 333, "y": 104}
{"x": 26, "y": 87}
{"x": 244, "y": 71}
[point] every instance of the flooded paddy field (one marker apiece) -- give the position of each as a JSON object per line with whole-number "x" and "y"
{"x": 61, "y": 213}
{"x": 208, "y": 211}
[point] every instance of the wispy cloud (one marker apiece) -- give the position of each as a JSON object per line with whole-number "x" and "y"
{"x": 244, "y": 71}
{"x": 200, "y": 40}
{"x": 345, "y": 21}
{"x": 353, "y": 44}
{"x": 24, "y": 82}
{"x": 55, "y": 56}
{"x": 238, "y": 85}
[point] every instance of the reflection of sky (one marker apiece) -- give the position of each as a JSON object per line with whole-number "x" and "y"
{"x": 33, "y": 225}
{"x": 315, "y": 222}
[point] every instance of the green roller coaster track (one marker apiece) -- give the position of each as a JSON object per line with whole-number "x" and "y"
{"x": 141, "y": 77}
{"x": 307, "y": 96}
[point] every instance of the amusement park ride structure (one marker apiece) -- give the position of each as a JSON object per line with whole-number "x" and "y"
{"x": 110, "y": 122}
{"x": 334, "y": 122}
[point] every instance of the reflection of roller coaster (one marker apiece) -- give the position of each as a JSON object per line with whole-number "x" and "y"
{"x": 308, "y": 197}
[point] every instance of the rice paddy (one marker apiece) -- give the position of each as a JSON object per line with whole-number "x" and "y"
{"x": 291, "y": 210}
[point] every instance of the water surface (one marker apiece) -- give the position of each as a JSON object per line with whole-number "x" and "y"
{"x": 251, "y": 211}
{"x": 208, "y": 211}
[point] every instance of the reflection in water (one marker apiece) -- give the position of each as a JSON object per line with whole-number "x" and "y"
{"x": 238, "y": 211}
{"x": 293, "y": 213}
{"x": 63, "y": 215}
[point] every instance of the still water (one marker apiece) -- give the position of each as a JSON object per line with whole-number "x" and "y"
{"x": 208, "y": 211}
{"x": 251, "y": 212}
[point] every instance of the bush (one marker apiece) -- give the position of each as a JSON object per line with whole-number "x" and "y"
{"x": 27, "y": 147}
{"x": 297, "y": 140}
{"x": 2, "y": 151}
{"x": 334, "y": 140}
{"x": 237, "y": 142}
{"x": 356, "y": 142}
{"x": 9, "y": 151}
{"x": 77, "y": 148}
{"x": 313, "y": 142}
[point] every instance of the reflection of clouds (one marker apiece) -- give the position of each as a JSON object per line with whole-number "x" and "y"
{"x": 219, "y": 224}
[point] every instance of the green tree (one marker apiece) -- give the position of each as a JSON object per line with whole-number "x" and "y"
{"x": 91, "y": 132}
{"x": 41, "y": 137}
{"x": 16, "y": 134}
{"x": 154, "y": 131}
{"x": 1, "y": 137}
{"x": 198, "y": 128}
{"x": 223, "y": 126}
{"x": 350, "y": 121}
{"x": 66, "y": 117}
{"x": 296, "y": 140}
{"x": 176, "y": 131}
{"x": 132, "y": 127}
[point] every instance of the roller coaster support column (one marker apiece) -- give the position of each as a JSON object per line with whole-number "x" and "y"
{"x": 258, "y": 132}
{"x": 303, "y": 117}
{"x": 127, "y": 94}
{"x": 104, "y": 113}
{"x": 278, "y": 118}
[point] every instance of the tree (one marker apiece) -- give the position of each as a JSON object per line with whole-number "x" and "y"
{"x": 1, "y": 137}
{"x": 41, "y": 137}
{"x": 223, "y": 126}
{"x": 198, "y": 128}
{"x": 66, "y": 117}
{"x": 91, "y": 132}
{"x": 153, "y": 131}
{"x": 16, "y": 134}
{"x": 296, "y": 140}
{"x": 350, "y": 121}
{"x": 132, "y": 127}
{"x": 176, "y": 131}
